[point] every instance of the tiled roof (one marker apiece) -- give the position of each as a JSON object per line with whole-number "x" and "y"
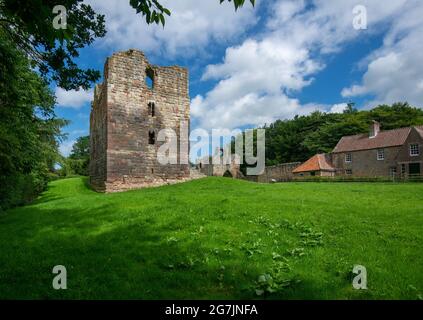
{"x": 318, "y": 162}
{"x": 390, "y": 138}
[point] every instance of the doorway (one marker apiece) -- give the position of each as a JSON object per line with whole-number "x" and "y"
{"x": 227, "y": 174}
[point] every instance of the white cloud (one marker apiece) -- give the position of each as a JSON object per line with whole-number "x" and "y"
{"x": 395, "y": 72}
{"x": 250, "y": 109}
{"x": 255, "y": 78}
{"x": 258, "y": 79}
{"x": 189, "y": 29}
{"x": 338, "y": 108}
{"x": 65, "y": 147}
{"x": 73, "y": 99}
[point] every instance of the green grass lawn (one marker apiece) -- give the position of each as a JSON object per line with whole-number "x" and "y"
{"x": 214, "y": 238}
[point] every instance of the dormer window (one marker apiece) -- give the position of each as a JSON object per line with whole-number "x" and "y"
{"x": 414, "y": 150}
{"x": 152, "y": 109}
{"x": 380, "y": 154}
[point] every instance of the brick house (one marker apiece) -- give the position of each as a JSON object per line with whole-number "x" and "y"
{"x": 391, "y": 153}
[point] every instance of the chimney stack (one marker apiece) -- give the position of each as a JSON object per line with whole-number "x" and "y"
{"x": 374, "y": 129}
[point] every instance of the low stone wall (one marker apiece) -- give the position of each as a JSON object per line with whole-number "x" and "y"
{"x": 281, "y": 172}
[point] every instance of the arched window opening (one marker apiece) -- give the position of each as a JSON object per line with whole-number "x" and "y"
{"x": 149, "y": 78}
{"x": 151, "y": 137}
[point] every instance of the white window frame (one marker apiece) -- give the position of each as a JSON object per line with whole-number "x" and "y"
{"x": 348, "y": 158}
{"x": 380, "y": 154}
{"x": 416, "y": 150}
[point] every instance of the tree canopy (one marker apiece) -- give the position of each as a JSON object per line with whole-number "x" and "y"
{"x": 81, "y": 148}
{"x": 29, "y": 129}
{"x": 29, "y": 25}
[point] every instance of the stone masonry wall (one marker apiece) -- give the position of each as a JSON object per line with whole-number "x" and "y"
{"x": 281, "y": 172}
{"x": 219, "y": 167}
{"x": 365, "y": 164}
{"x": 131, "y": 159}
{"x": 405, "y": 159}
{"x": 98, "y": 139}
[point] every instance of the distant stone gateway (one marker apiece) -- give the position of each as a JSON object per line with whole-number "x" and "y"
{"x": 135, "y": 101}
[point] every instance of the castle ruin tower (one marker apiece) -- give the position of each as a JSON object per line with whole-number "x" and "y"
{"x": 135, "y": 101}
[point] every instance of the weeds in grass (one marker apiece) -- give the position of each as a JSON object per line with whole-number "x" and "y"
{"x": 252, "y": 247}
{"x": 279, "y": 276}
{"x": 198, "y": 232}
{"x": 268, "y": 284}
{"x": 171, "y": 240}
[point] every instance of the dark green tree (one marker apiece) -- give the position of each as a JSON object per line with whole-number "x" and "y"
{"x": 81, "y": 148}
{"x": 79, "y": 158}
{"x": 29, "y": 25}
{"x": 29, "y": 128}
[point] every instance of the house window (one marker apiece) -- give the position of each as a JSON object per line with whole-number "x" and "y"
{"x": 393, "y": 172}
{"x": 348, "y": 172}
{"x": 313, "y": 173}
{"x": 414, "y": 150}
{"x": 348, "y": 157}
{"x": 381, "y": 154}
{"x": 151, "y": 137}
{"x": 152, "y": 109}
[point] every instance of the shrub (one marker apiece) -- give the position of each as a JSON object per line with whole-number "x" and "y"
{"x": 19, "y": 189}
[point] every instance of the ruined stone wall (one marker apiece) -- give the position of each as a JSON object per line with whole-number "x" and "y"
{"x": 220, "y": 167}
{"x": 131, "y": 159}
{"x": 98, "y": 139}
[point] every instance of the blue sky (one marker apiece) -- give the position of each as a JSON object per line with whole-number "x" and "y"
{"x": 279, "y": 59}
